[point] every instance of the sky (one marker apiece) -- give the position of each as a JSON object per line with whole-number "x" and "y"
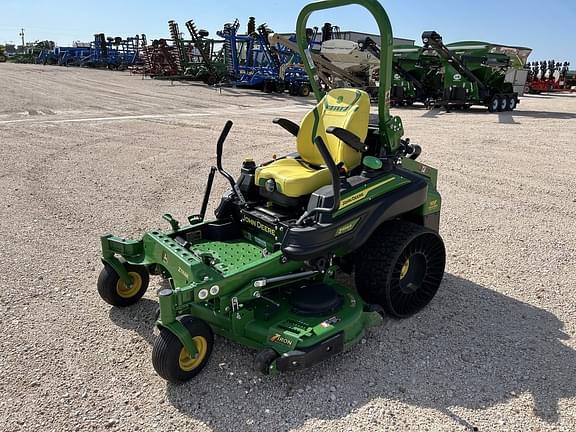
{"x": 544, "y": 26}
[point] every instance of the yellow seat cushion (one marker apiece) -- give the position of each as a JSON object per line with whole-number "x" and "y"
{"x": 345, "y": 108}
{"x": 293, "y": 177}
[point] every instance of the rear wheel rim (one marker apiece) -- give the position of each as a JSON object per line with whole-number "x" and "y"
{"x": 412, "y": 273}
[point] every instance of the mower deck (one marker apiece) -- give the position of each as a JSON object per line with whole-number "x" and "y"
{"x": 290, "y": 317}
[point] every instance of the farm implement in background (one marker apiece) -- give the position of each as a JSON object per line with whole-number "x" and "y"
{"x": 550, "y": 76}
{"x": 255, "y": 60}
{"x": 104, "y": 52}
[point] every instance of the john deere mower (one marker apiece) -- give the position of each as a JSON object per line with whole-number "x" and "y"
{"x": 263, "y": 272}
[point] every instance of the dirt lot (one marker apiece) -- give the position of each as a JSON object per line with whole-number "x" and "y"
{"x": 89, "y": 152}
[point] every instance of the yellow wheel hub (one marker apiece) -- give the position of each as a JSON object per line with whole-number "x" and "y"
{"x": 128, "y": 292}
{"x": 405, "y": 268}
{"x": 188, "y": 363}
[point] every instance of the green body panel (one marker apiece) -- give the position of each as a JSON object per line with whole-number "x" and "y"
{"x": 368, "y": 192}
{"x": 388, "y": 127}
{"x": 453, "y": 79}
{"x": 231, "y": 264}
{"x": 433, "y": 202}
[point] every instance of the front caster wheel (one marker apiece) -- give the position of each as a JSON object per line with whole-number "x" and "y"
{"x": 264, "y": 359}
{"x": 400, "y": 268}
{"x": 116, "y": 292}
{"x": 172, "y": 361}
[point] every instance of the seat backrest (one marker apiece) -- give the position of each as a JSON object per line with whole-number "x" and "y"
{"x": 345, "y": 108}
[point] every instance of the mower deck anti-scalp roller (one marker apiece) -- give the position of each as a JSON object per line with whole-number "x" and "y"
{"x": 262, "y": 272}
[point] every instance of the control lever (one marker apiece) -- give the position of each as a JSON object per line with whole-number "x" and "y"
{"x": 219, "y": 151}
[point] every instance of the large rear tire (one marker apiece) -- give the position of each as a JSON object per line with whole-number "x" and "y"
{"x": 400, "y": 268}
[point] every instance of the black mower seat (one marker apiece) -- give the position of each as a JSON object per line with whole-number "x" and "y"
{"x": 348, "y": 109}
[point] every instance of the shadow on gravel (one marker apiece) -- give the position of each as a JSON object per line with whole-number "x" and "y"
{"x": 540, "y": 114}
{"x": 535, "y": 96}
{"x": 242, "y": 92}
{"x": 503, "y": 117}
{"x": 472, "y": 348}
{"x": 138, "y": 318}
{"x": 553, "y": 95}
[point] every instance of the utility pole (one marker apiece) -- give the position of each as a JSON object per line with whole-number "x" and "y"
{"x": 22, "y": 35}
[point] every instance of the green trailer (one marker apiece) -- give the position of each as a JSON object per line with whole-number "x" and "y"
{"x": 474, "y": 73}
{"x": 415, "y": 77}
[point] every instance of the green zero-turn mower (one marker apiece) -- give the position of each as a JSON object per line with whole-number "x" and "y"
{"x": 262, "y": 273}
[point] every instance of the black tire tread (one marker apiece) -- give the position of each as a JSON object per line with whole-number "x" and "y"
{"x": 378, "y": 262}
{"x": 264, "y": 359}
{"x": 166, "y": 351}
{"x": 107, "y": 285}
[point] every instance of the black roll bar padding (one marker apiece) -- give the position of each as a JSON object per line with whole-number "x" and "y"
{"x": 334, "y": 173}
{"x": 288, "y": 125}
{"x": 348, "y": 137}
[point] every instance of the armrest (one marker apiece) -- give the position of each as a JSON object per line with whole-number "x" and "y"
{"x": 348, "y": 137}
{"x": 290, "y": 126}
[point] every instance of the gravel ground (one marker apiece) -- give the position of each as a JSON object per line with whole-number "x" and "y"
{"x": 87, "y": 152}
